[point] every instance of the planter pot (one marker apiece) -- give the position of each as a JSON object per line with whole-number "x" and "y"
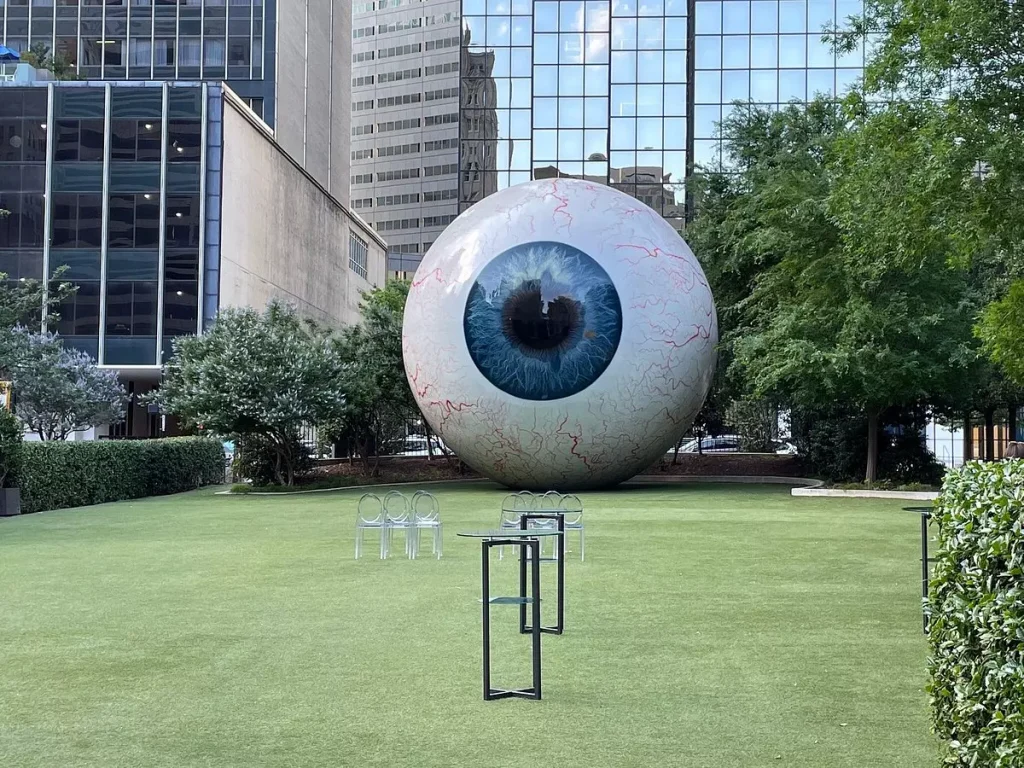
{"x": 10, "y": 502}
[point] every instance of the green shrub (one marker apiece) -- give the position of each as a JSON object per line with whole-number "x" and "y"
{"x": 11, "y": 432}
{"x": 57, "y": 474}
{"x": 976, "y": 604}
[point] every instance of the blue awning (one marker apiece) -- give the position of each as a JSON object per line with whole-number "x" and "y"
{"x": 8, "y": 54}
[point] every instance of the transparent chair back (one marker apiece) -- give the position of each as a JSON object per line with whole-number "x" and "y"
{"x": 398, "y": 517}
{"x": 370, "y": 515}
{"x": 426, "y": 516}
{"x": 573, "y": 508}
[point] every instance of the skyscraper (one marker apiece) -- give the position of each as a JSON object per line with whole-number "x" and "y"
{"x": 405, "y": 96}
{"x": 630, "y": 92}
{"x": 287, "y": 59}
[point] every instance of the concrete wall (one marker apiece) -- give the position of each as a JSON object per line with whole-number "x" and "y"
{"x": 282, "y": 235}
{"x": 314, "y": 53}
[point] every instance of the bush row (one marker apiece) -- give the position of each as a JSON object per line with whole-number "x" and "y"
{"x": 58, "y": 474}
{"x": 976, "y": 605}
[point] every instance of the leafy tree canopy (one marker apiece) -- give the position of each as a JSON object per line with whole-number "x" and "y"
{"x": 266, "y": 374}
{"x": 61, "y": 390}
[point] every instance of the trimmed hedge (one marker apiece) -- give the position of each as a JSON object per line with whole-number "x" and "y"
{"x": 57, "y": 474}
{"x": 976, "y": 604}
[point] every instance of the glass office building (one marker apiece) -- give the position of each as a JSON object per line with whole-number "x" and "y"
{"x": 115, "y": 176}
{"x": 629, "y": 92}
{"x": 288, "y": 61}
{"x": 146, "y": 40}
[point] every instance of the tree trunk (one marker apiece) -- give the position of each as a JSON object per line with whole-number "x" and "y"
{"x": 871, "y": 474}
{"x": 675, "y": 454}
{"x": 990, "y": 434}
{"x": 1011, "y": 421}
{"x": 968, "y": 438}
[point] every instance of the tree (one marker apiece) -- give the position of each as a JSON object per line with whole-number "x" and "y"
{"x": 816, "y": 311}
{"x": 956, "y": 65}
{"x": 1002, "y": 330}
{"x": 60, "y": 390}
{"x": 59, "y": 64}
{"x": 258, "y": 375}
{"x": 21, "y": 304}
{"x": 380, "y": 400}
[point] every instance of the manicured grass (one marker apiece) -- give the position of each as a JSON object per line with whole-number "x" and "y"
{"x": 712, "y": 626}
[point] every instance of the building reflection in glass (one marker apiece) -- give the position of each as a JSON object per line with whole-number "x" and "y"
{"x": 581, "y": 88}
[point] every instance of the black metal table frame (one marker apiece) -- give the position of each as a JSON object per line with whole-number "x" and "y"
{"x": 926, "y": 516}
{"x": 524, "y": 520}
{"x": 526, "y": 545}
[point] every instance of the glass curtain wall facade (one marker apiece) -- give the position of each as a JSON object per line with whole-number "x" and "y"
{"x": 629, "y": 92}
{"x": 155, "y": 39}
{"x": 769, "y": 52}
{"x": 107, "y": 184}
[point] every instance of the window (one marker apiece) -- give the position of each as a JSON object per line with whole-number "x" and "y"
{"x": 362, "y": 32}
{"x": 79, "y": 140}
{"x": 363, "y": 56}
{"x": 440, "y": 69}
{"x": 451, "y": 117}
{"x": 394, "y": 101}
{"x": 389, "y": 200}
{"x": 359, "y": 106}
{"x": 362, "y": 154}
{"x": 362, "y": 178}
{"x": 398, "y": 149}
{"x": 362, "y": 130}
{"x": 440, "y": 194}
{"x": 401, "y": 173}
{"x": 433, "y": 146}
{"x": 363, "y": 202}
{"x": 398, "y": 125}
{"x": 444, "y": 93}
{"x": 77, "y": 220}
{"x": 440, "y": 170}
{"x": 438, "y": 221}
{"x": 393, "y": 224}
{"x": 183, "y": 139}
{"x": 399, "y": 50}
{"x": 400, "y": 74}
{"x": 357, "y": 255}
{"x": 444, "y": 42}
{"x": 135, "y": 140}
{"x": 134, "y": 221}
{"x": 361, "y": 81}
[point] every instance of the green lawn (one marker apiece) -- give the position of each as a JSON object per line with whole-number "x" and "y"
{"x": 711, "y": 626}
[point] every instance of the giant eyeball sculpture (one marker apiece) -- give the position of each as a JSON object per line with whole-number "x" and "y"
{"x": 560, "y": 335}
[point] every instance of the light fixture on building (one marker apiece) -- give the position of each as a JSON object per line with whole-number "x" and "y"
{"x": 43, "y": 126}
{"x": 180, "y": 293}
{"x": 147, "y": 196}
{"x": 180, "y": 149}
{"x": 178, "y": 214}
{"x": 149, "y": 126}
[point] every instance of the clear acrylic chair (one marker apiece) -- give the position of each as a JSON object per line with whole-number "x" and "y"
{"x": 511, "y": 507}
{"x": 573, "y": 517}
{"x": 398, "y": 517}
{"x": 370, "y": 516}
{"x": 426, "y": 516}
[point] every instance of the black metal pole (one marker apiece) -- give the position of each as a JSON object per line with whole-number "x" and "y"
{"x": 924, "y": 567}
{"x": 561, "y": 574}
{"x": 485, "y": 580}
{"x": 535, "y": 547}
{"x": 522, "y": 584}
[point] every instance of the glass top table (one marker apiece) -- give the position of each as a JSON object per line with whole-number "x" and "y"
{"x": 511, "y": 533}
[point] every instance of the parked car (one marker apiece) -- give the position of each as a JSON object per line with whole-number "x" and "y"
{"x": 416, "y": 445}
{"x": 729, "y": 444}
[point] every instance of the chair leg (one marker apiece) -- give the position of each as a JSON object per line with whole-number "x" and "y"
{"x": 359, "y": 539}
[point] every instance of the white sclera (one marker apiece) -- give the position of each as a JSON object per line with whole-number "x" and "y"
{"x": 634, "y": 411}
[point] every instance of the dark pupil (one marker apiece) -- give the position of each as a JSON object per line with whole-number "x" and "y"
{"x": 527, "y": 324}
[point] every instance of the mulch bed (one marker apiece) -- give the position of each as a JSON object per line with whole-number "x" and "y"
{"x": 401, "y": 469}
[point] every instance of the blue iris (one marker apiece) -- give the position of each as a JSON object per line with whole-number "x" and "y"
{"x": 543, "y": 321}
